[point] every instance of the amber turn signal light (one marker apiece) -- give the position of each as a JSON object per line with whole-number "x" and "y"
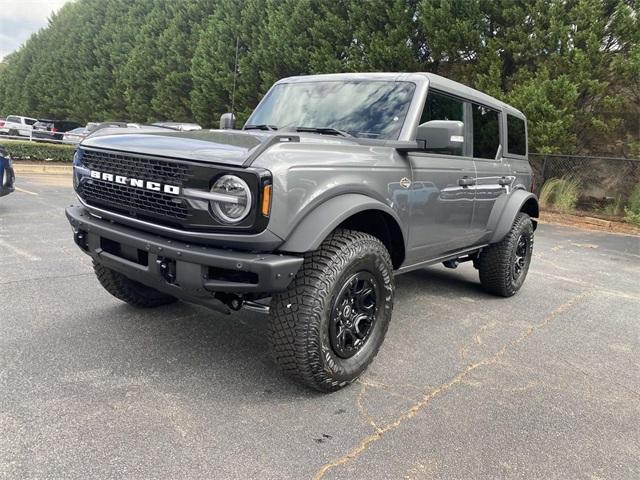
{"x": 266, "y": 200}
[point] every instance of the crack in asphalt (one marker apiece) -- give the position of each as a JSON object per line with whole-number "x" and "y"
{"x": 476, "y": 338}
{"x": 363, "y": 411}
{"x": 427, "y": 397}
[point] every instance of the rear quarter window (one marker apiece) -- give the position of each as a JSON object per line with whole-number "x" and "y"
{"x": 516, "y": 136}
{"x": 13, "y": 119}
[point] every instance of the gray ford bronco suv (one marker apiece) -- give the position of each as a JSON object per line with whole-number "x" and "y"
{"x": 335, "y": 184}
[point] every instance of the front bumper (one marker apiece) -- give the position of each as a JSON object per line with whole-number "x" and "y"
{"x": 7, "y": 179}
{"x": 190, "y": 272}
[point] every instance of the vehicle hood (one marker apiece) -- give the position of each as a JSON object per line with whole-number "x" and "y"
{"x": 231, "y": 147}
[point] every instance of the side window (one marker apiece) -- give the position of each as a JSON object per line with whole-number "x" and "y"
{"x": 30, "y": 121}
{"x": 516, "y": 136}
{"x": 13, "y": 119}
{"x": 486, "y": 132}
{"x": 443, "y": 107}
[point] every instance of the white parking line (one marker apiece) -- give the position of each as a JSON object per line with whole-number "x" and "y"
{"x": 26, "y": 191}
{"x": 19, "y": 251}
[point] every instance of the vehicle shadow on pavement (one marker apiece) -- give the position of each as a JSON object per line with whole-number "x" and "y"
{"x": 214, "y": 351}
{"x": 439, "y": 281}
{"x": 187, "y": 346}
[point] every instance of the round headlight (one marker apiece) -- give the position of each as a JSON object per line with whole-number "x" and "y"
{"x": 237, "y": 204}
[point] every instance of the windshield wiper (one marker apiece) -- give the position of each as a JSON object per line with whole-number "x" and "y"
{"x": 324, "y": 130}
{"x": 261, "y": 126}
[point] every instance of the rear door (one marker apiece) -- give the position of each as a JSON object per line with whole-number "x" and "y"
{"x": 12, "y": 122}
{"x": 27, "y": 126}
{"x": 493, "y": 170}
{"x": 441, "y": 192}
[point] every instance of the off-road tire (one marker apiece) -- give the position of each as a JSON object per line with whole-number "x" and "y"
{"x": 129, "y": 291}
{"x": 299, "y": 326}
{"x": 496, "y": 261}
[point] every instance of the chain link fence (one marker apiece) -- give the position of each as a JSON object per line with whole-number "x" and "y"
{"x": 600, "y": 179}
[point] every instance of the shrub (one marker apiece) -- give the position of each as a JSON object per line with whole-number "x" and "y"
{"x": 632, "y": 210}
{"x": 25, "y": 150}
{"x": 615, "y": 208}
{"x": 560, "y": 193}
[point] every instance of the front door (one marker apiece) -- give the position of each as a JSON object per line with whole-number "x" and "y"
{"x": 442, "y": 190}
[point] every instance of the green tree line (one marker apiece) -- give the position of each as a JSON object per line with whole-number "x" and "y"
{"x": 572, "y": 66}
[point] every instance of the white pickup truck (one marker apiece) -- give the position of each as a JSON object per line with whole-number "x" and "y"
{"x": 17, "y": 125}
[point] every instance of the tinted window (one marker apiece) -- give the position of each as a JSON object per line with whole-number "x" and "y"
{"x": 443, "y": 107}
{"x": 369, "y": 109}
{"x": 13, "y": 119}
{"x": 65, "y": 126}
{"x": 30, "y": 121}
{"x": 516, "y": 137}
{"x": 486, "y": 132}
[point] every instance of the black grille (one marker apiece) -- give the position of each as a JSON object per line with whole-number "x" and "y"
{"x": 158, "y": 207}
{"x": 128, "y": 199}
{"x": 152, "y": 169}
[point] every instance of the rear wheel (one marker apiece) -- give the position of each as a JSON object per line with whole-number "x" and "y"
{"x": 133, "y": 293}
{"x": 503, "y": 266}
{"x": 328, "y": 326}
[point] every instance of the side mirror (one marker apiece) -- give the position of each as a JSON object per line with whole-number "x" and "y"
{"x": 227, "y": 121}
{"x": 441, "y": 135}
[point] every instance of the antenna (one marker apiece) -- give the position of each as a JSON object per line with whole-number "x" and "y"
{"x": 235, "y": 76}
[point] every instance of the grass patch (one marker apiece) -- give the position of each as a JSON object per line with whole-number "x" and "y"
{"x": 614, "y": 208}
{"x": 25, "y": 150}
{"x": 632, "y": 210}
{"x": 560, "y": 194}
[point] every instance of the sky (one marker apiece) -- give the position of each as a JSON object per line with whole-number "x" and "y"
{"x": 20, "y": 18}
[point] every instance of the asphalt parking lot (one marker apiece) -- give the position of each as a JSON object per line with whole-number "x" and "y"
{"x": 542, "y": 385}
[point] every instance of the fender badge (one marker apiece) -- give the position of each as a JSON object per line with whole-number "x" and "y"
{"x": 405, "y": 182}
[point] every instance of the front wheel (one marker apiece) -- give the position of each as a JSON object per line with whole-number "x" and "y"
{"x": 129, "y": 291}
{"x": 328, "y": 326}
{"x": 503, "y": 266}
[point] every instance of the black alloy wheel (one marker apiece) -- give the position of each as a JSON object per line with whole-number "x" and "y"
{"x": 520, "y": 256}
{"x": 353, "y": 314}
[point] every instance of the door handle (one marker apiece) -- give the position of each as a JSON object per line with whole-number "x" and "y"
{"x": 466, "y": 181}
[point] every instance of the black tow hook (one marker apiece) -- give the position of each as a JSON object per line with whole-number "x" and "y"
{"x": 80, "y": 237}
{"x": 231, "y": 300}
{"x": 167, "y": 269}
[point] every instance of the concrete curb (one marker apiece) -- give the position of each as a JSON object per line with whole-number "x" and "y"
{"x": 42, "y": 168}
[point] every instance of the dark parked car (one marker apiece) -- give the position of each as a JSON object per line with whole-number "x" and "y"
{"x": 7, "y": 177}
{"x": 46, "y": 129}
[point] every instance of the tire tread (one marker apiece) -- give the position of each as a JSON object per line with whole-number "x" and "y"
{"x": 129, "y": 291}
{"x": 494, "y": 262}
{"x": 294, "y": 327}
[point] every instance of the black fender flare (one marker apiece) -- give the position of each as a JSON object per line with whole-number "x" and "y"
{"x": 507, "y": 207}
{"x": 309, "y": 233}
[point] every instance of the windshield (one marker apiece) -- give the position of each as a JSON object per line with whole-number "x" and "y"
{"x": 366, "y": 109}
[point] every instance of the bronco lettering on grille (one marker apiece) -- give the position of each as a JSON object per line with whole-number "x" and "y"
{"x": 135, "y": 182}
